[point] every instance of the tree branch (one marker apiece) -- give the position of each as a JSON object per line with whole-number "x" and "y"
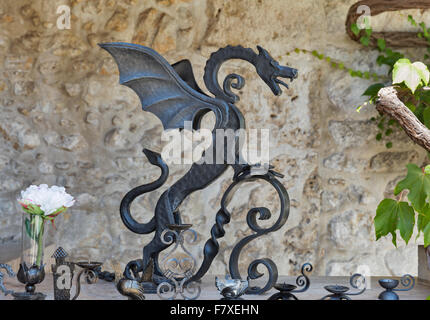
{"x": 389, "y": 103}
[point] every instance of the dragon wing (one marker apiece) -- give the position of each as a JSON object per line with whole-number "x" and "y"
{"x": 160, "y": 89}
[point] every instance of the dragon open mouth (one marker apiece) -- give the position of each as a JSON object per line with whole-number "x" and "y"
{"x": 282, "y": 82}
{"x": 286, "y": 73}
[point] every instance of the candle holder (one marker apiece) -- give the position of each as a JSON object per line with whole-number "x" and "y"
{"x": 407, "y": 281}
{"x": 231, "y": 289}
{"x": 30, "y": 276}
{"x": 88, "y": 270}
{"x": 178, "y": 267}
{"x": 10, "y": 272}
{"x": 286, "y": 290}
{"x": 62, "y": 272}
{"x": 339, "y": 292}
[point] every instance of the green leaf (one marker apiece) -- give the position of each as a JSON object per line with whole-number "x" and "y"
{"x": 365, "y": 40}
{"x": 423, "y": 218}
{"x": 28, "y": 228}
{"x": 355, "y": 29}
{"x": 426, "y": 232}
{"x": 426, "y": 117}
{"x": 412, "y": 74}
{"x": 368, "y": 30}
{"x": 423, "y": 71}
{"x": 379, "y": 136}
{"x": 381, "y": 44}
{"x": 391, "y": 216}
{"x": 412, "y": 21}
{"x": 418, "y": 185}
{"x": 373, "y": 90}
{"x": 389, "y": 145}
{"x": 411, "y": 106}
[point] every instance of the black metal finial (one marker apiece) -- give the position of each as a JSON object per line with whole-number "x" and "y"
{"x": 60, "y": 255}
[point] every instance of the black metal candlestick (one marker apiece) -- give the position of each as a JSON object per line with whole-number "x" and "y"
{"x": 407, "y": 281}
{"x": 88, "y": 270}
{"x": 338, "y": 292}
{"x": 286, "y": 290}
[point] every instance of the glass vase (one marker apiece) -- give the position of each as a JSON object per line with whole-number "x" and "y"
{"x": 33, "y": 239}
{"x": 31, "y": 270}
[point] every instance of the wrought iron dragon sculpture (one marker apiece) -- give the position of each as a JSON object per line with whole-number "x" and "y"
{"x": 172, "y": 94}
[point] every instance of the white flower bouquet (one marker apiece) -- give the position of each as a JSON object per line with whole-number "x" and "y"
{"x": 42, "y": 203}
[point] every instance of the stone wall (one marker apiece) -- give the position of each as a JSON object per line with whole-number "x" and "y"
{"x": 65, "y": 120}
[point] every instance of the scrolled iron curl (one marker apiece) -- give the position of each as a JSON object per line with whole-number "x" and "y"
{"x": 191, "y": 238}
{"x": 357, "y": 280}
{"x": 193, "y": 288}
{"x": 253, "y": 274}
{"x": 235, "y": 81}
{"x": 168, "y": 236}
{"x": 254, "y": 214}
{"x": 223, "y": 217}
{"x": 408, "y": 282}
{"x": 303, "y": 280}
{"x": 171, "y": 289}
{"x": 251, "y": 218}
{"x": 91, "y": 276}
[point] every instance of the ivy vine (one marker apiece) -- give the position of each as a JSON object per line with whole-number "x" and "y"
{"x": 411, "y": 80}
{"x": 418, "y": 102}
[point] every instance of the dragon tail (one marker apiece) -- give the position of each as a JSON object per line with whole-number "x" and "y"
{"x": 143, "y": 228}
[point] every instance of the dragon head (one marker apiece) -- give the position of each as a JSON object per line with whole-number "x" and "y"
{"x": 270, "y": 71}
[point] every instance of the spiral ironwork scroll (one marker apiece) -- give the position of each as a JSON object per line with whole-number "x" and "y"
{"x": 260, "y": 213}
{"x": 357, "y": 281}
{"x": 178, "y": 271}
{"x": 407, "y": 281}
{"x": 229, "y": 83}
{"x": 286, "y": 290}
{"x": 302, "y": 281}
{"x": 223, "y": 217}
{"x": 90, "y": 278}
